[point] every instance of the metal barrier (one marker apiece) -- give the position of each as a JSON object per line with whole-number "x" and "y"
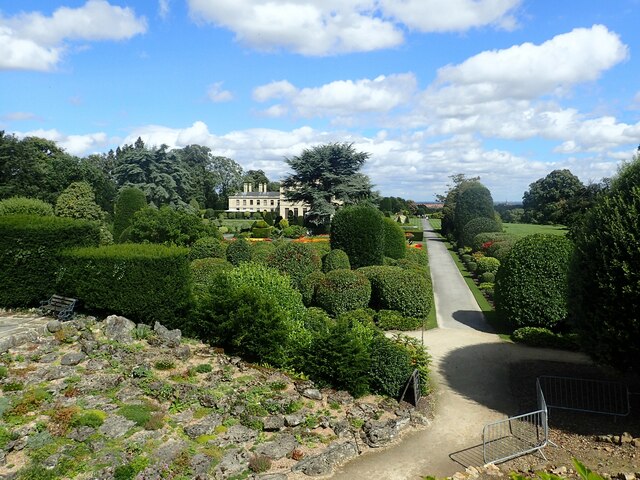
{"x": 583, "y": 395}
{"x": 528, "y": 433}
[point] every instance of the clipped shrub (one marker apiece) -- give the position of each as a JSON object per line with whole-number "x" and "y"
{"x": 145, "y": 283}
{"x": 260, "y": 229}
{"x": 472, "y": 267}
{"x": 29, "y": 254}
{"x": 25, "y": 206}
{"x": 473, "y": 201}
{"x": 130, "y": 200}
{"x": 487, "y": 265}
{"x": 309, "y": 286}
{"x": 296, "y": 260}
{"x": 293, "y": 231}
{"x": 169, "y": 226}
{"x": 466, "y": 258}
{"x": 393, "y": 320}
{"x": 543, "y": 337}
{"x": 363, "y": 316}
{"x": 488, "y": 277}
{"x": 390, "y": 367}
{"x": 531, "y": 285}
{"x": 239, "y": 251}
{"x": 476, "y": 226}
{"x": 317, "y": 321}
{"x": 358, "y": 230}
{"x": 605, "y": 278}
{"x": 336, "y": 259}
{"x": 394, "y": 239}
{"x": 394, "y": 288}
{"x": 489, "y": 237}
{"x": 343, "y": 290}
{"x": 261, "y": 251}
{"x": 207, "y": 247}
{"x": 420, "y": 358}
{"x": 78, "y": 201}
{"x": 501, "y": 249}
{"x": 205, "y": 270}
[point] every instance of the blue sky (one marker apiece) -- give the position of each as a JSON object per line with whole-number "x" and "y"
{"x": 508, "y": 90}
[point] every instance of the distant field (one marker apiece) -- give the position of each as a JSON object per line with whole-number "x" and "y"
{"x": 523, "y": 229}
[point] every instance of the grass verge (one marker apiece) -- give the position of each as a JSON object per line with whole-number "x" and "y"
{"x": 524, "y": 229}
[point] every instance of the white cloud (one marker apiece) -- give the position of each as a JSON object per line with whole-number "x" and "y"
{"x": 33, "y": 41}
{"x": 342, "y": 97}
{"x": 163, "y": 8}
{"x": 216, "y": 94}
{"x": 73, "y": 144}
{"x": 451, "y": 15}
{"x": 20, "y": 116}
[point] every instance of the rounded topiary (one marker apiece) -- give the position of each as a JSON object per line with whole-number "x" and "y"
{"x": 487, "y": 265}
{"x": 130, "y": 200}
{"x": 605, "y": 278}
{"x": 358, "y": 230}
{"x": 390, "y": 367}
{"x": 296, "y": 260}
{"x": 343, "y": 290}
{"x": 394, "y": 240}
{"x": 395, "y": 288}
{"x": 501, "y": 248}
{"x": 476, "y": 226}
{"x": 207, "y": 247}
{"x": 25, "y": 206}
{"x": 393, "y": 320}
{"x": 309, "y": 285}
{"x": 239, "y": 251}
{"x": 334, "y": 260}
{"x": 473, "y": 201}
{"x": 472, "y": 266}
{"x": 261, "y": 251}
{"x": 260, "y": 229}
{"x": 203, "y": 270}
{"x": 488, "y": 277}
{"x": 531, "y": 285}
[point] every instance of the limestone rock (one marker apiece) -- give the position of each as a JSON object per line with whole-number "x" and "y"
{"x": 323, "y": 463}
{"x": 73, "y": 358}
{"x": 170, "y": 338}
{"x": 115, "y": 426}
{"x": 278, "y": 448}
{"x": 205, "y": 426}
{"x": 119, "y": 329}
{"x": 234, "y": 462}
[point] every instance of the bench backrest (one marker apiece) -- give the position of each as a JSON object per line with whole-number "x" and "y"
{"x": 60, "y": 301}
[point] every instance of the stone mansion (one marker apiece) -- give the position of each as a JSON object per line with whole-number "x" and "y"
{"x": 262, "y": 200}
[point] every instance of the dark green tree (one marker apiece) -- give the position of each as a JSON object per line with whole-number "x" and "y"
{"x": 548, "y": 198}
{"x": 326, "y": 177}
{"x": 129, "y": 201}
{"x": 359, "y": 231}
{"x": 473, "y": 201}
{"x": 450, "y": 198}
{"x": 78, "y": 201}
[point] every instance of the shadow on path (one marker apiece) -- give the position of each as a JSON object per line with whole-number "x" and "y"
{"x": 468, "y": 457}
{"x": 473, "y": 319}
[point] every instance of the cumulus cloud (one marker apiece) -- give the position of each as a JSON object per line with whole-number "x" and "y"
{"x": 33, "y": 41}
{"x": 73, "y": 144}
{"x": 19, "y": 116}
{"x": 341, "y": 97}
{"x": 163, "y": 8}
{"x": 217, "y": 94}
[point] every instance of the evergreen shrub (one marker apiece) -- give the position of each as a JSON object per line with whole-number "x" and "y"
{"x": 390, "y": 367}
{"x": 473, "y": 201}
{"x": 502, "y": 248}
{"x": 531, "y": 285}
{"x": 394, "y": 239}
{"x": 296, "y": 260}
{"x": 207, "y": 247}
{"x": 261, "y": 251}
{"x": 394, "y": 320}
{"x": 29, "y": 260}
{"x": 336, "y": 259}
{"x": 260, "y": 229}
{"x": 294, "y": 231}
{"x": 343, "y": 290}
{"x": 205, "y": 270}
{"x": 476, "y": 226}
{"x": 472, "y": 267}
{"x": 488, "y": 277}
{"x": 394, "y": 288}
{"x": 482, "y": 238}
{"x": 239, "y": 251}
{"x": 145, "y": 283}
{"x": 487, "y": 265}
{"x": 25, "y": 206}
{"x": 78, "y": 201}
{"x": 309, "y": 286}
{"x": 543, "y": 337}
{"x": 169, "y": 226}
{"x": 359, "y": 231}
{"x": 130, "y": 200}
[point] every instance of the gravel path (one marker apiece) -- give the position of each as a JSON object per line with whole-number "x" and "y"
{"x": 470, "y": 373}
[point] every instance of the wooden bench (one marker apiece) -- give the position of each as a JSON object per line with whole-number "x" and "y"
{"x": 58, "y": 306}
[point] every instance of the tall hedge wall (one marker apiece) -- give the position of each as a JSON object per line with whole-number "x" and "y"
{"x": 29, "y": 247}
{"x": 144, "y": 283}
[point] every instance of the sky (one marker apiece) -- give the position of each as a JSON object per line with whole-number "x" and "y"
{"x": 507, "y": 90}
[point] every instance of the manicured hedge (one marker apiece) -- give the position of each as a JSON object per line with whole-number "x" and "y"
{"x": 309, "y": 285}
{"x": 531, "y": 285}
{"x": 261, "y": 251}
{"x": 205, "y": 270}
{"x": 473, "y": 201}
{"x": 260, "y": 229}
{"x": 335, "y": 260}
{"x": 543, "y": 337}
{"x": 25, "y": 206}
{"x": 358, "y": 230}
{"x": 207, "y": 247}
{"x": 29, "y": 247}
{"x": 239, "y": 251}
{"x": 296, "y": 260}
{"x": 393, "y": 320}
{"x": 343, "y": 290}
{"x": 487, "y": 265}
{"x": 145, "y": 283}
{"x": 394, "y": 239}
{"x": 476, "y": 226}
{"x": 390, "y": 367}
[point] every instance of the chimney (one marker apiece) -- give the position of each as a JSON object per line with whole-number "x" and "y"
{"x": 260, "y": 187}
{"x": 264, "y": 187}
{"x": 250, "y": 185}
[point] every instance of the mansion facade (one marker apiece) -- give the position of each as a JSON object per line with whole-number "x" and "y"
{"x": 262, "y": 200}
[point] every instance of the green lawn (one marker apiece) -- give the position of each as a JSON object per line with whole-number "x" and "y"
{"x": 523, "y": 229}
{"x": 436, "y": 223}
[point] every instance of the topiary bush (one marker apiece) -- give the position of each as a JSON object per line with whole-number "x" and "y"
{"x": 531, "y": 285}
{"x": 390, "y": 367}
{"x": 309, "y": 286}
{"x": 205, "y": 270}
{"x": 145, "y": 283}
{"x": 394, "y": 288}
{"x": 207, "y": 247}
{"x": 25, "y": 206}
{"x": 395, "y": 245}
{"x": 130, "y": 200}
{"x": 169, "y": 226}
{"x": 543, "y": 337}
{"x": 358, "y": 230}
{"x": 29, "y": 254}
{"x": 336, "y": 259}
{"x": 476, "y": 226}
{"x": 472, "y": 267}
{"x": 239, "y": 251}
{"x": 293, "y": 231}
{"x": 78, "y": 201}
{"x": 487, "y": 265}
{"x": 488, "y": 277}
{"x": 343, "y": 290}
{"x": 261, "y": 251}
{"x": 473, "y": 201}
{"x": 296, "y": 260}
{"x": 393, "y": 320}
{"x": 260, "y": 229}
{"x": 501, "y": 249}
{"x": 605, "y": 278}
